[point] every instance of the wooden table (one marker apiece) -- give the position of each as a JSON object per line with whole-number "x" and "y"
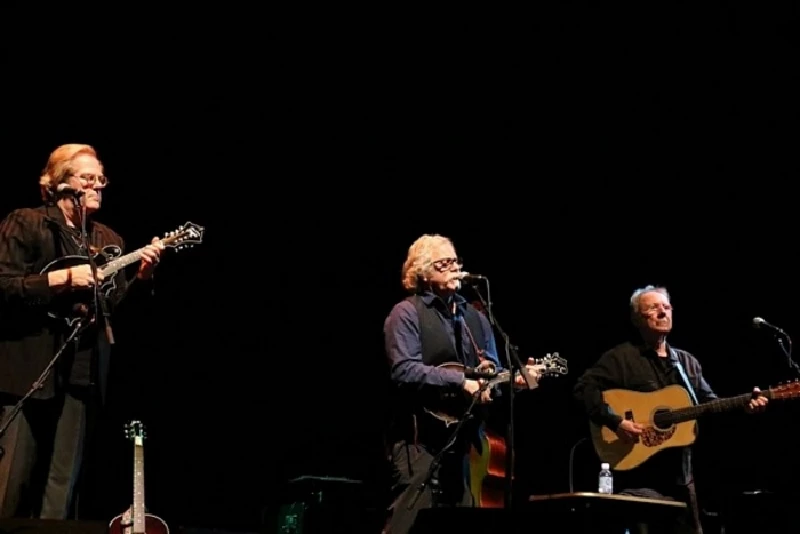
{"x": 598, "y": 512}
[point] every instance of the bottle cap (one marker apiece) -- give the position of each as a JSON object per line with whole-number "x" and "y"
{"x": 605, "y": 466}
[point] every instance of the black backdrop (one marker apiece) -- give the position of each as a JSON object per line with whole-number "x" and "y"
{"x": 572, "y": 156}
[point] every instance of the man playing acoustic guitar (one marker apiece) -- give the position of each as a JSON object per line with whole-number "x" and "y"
{"x": 649, "y": 366}
{"x": 433, "y": 326}
{"x": 43, "y": 446}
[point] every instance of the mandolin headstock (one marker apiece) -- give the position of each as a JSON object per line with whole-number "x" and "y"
{"x": 186, "y": 235}
{"x": 553, "y": 365}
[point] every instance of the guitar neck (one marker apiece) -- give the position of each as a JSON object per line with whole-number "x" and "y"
{"x": 120, "y": 263}
{"x": 138, "y": 489}
{"x": 548, "y": 369}
{"x": 689, "y": 413}
{"x": 132, "y": 257}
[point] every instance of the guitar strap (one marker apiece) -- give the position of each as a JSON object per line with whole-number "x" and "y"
{"x": 686, "y": 382}
{"x": 478, "y": 351}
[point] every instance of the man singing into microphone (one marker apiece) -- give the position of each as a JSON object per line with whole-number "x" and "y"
{"x": 649, "y": 365}
{"x": 43, "y": 445}
{"x": 432, "y": 326}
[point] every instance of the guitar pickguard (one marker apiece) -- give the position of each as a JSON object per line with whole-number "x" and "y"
{"x": 653, "y": 437}
{"x": 65, "y": 307}
{"x": 106, "y": 255}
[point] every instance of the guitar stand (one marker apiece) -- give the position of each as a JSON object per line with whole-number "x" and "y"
{"x": 80, "y": 325}
{"x": 431, "y": 479}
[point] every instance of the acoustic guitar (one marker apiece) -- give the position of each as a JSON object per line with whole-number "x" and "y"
{"x": 136, "y": 520}
{"x": 669, "y": 419}
{"x": 109, "y": 260}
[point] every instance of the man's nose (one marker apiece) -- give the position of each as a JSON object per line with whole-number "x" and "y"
{"x": 661, "y": 314}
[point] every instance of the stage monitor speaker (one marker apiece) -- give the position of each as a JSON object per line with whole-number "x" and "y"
{"x": 52, "y": 526}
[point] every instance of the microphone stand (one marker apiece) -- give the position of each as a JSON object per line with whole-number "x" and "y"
{"x": 38, "y": 384}
{"x": 99, "y": 300}
{"x": 787, "y": 351}
{"x": 514, "y": 364}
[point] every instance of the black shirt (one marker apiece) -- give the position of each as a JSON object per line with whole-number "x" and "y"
{"x": 637, "y": 368}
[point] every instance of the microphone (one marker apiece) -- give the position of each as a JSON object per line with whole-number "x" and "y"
{"x": 758, "y": 322}
{"x": 67, "y": 190}
{"x": 463, "y": 275}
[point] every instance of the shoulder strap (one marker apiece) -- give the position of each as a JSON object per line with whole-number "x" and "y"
{"x": 684, "y": 377}
{"x": 472, "y": 324}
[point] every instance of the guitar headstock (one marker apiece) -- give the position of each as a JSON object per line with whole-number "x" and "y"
{"x": 790, "y": 390}
{"x": 553, "y": 365}
{"x": 135, "y": 432}
{"x": 186, "y": 235}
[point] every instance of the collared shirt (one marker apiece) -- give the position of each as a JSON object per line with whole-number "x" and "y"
{"x": 404, "y": 346}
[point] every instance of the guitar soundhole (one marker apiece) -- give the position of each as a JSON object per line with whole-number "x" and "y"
{"x": 662, "y": 420}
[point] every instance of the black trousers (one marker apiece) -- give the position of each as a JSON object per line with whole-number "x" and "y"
{"x": 410, "y": 465}
{"x": 42, "y": 457}
{"x": 687, "y": 522}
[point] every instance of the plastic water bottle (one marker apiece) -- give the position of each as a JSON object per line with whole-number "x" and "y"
{"x": 606, "y": 479}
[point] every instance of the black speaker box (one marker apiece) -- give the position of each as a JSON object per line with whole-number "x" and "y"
{"x": 51, "y": 526}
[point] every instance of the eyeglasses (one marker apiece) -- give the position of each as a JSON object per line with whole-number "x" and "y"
{"x": 98, "y": 181}
{"x": 655, "y": 310}
{"x": 445, "y": 263}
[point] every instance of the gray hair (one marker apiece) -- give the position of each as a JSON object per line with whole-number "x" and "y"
{"x": 637, "y": 295}
{"x": 420, "y": 258}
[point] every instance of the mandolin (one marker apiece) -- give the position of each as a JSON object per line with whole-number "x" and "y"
{"x": 109, "y": 260}
{"x": 450, "y": 406}
{"x": 487, "y": 463}
{"x": 136, "y": 520}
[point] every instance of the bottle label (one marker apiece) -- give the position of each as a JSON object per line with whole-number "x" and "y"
{"x": 606, "y": 485}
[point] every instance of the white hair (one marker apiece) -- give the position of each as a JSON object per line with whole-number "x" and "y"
{"x": 637, "y": 295}
{"x": 420, "y": 258}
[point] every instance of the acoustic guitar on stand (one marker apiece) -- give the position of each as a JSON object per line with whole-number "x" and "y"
{"x": 71, "y": 306}
{"x": 669, "y": 418}
{"x": 136, "y": 520}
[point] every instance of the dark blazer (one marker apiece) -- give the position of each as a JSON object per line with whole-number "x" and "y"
{"x": 30, "y": 238}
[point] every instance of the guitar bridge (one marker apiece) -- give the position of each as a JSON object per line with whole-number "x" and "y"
{"x": 629, "y": 415}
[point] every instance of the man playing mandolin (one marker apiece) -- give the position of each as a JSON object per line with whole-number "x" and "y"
{"x": 648, "y": 366}
{"x": 47, "y": 437}
{"x": 433, "y": 326}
